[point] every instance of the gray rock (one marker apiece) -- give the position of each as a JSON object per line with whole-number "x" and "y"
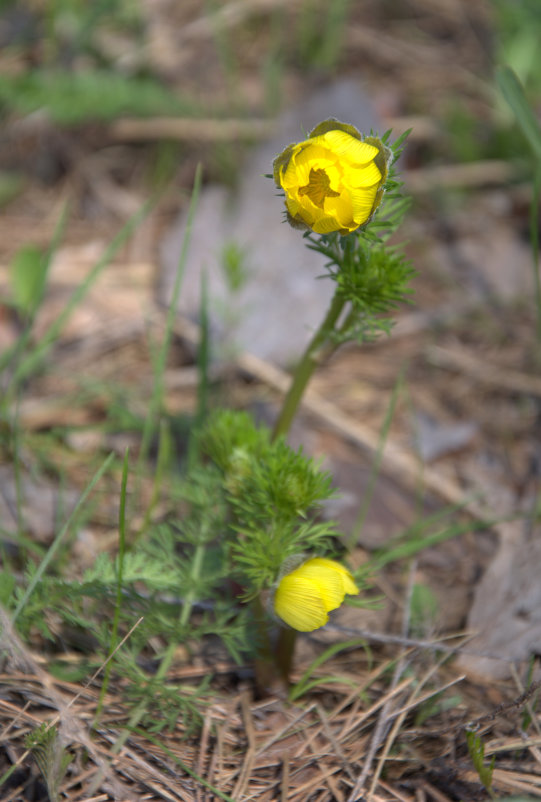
{"x": 282, "y": 301}
{"x": 506, "y": 610}
{"x": 434, "y": 439}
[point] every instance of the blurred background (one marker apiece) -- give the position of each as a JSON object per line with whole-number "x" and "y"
{"x": 105, "y": 102}
{"x": 112, "y": 104}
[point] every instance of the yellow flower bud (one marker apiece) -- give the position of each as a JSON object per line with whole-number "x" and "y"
{"x": 334, "y": 180}
{"x": 305, "y": 596}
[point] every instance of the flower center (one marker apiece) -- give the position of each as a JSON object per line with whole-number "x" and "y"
{"x": 318, "y": 187}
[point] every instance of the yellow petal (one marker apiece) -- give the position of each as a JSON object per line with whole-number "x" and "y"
{"x": 304, "y": 159}
{"x": 323, "y": 564}
{"x": 335, "y": 174}
{"x": 326, "y": 224}
{"x": 298, "y": 602}
{"x": 328, "y": 583}
{"x": 346, "y": 146}
{"x": 306, "y": 212}
{"x": 341, "y": 209}
{"x": 311, "y": 153}
{"x": 362, "y": 202}
{"x": 331, "y": 180}
{"x": 365, "y": 176}
{"x": 295, "y": 175}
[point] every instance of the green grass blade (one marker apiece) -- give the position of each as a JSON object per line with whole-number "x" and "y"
{"x": 534, "y": 241}
{"x": 513, "y": 92}
{"x": 414, "y": 540}
{"x": 203, "y": 356}
{"x": 20, "y": 346}
{"x": 163, "y": 461}
{"x": 301, "y": 686}
{"x": 29, "y": 364}
{"x": 60, "y": 537}
{"x": 161, "y": 360}
{"x": 203, "y": 360}
{"x": 22, "y": 541}
{"x": 118, "y": 601}
{"x": 317, "y": 683}
{"x": 28, "y": 276}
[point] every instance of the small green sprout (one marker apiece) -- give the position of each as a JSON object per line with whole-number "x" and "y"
{"x": 476, "y": 750}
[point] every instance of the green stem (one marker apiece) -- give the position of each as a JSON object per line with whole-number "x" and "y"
{"x": 285, "y": 649}
{"x": 319, "y": 346}
{"x": 534, "y": 238}
{"x": 269, "y": 659}
{"x": 265, "y": 664}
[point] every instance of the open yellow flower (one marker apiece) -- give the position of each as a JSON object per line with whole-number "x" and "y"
{"x": 304, "y": 597}
{"x": 333, "y": 181}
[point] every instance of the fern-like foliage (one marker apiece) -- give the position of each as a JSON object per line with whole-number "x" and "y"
{"x": 51, "y": 756}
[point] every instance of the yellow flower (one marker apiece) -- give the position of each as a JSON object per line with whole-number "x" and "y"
{"x": 305, "y": 596}
{"x": 334, "y": 180}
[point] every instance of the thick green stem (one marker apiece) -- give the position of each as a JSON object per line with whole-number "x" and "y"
{"x": 265, "y": 664}
{"x": 319, "y": 346}
{"x": 270, "y": 658}
{"x": 285, "y": 650}
{"x": 534, "y": 239}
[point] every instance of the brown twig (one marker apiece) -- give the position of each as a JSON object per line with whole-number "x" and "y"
{"x": 188, "y": 130}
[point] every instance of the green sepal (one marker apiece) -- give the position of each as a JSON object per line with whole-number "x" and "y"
{"x": 332, "y": 125}
{"x": 382, "y": 161}
{"x": 282, "y": 161}
{"x": 297, "y": 222}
